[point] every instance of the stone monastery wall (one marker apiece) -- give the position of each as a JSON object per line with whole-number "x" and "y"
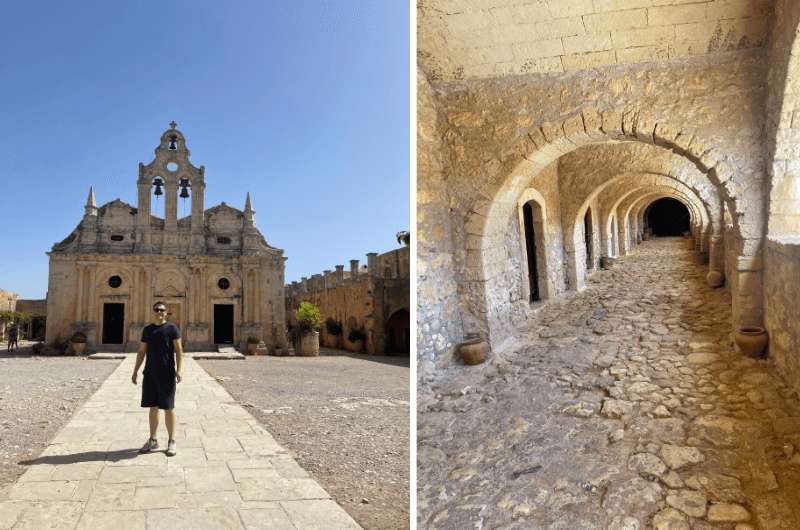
{"x": 363, "y": 298}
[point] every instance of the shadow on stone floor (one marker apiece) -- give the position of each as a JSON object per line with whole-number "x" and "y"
{"x": 89, "y": 456}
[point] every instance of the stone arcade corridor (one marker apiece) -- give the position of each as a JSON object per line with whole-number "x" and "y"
{"x": 622, "y": 406}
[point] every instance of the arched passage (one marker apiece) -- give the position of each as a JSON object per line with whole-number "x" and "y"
{"x": 398, "y": 333}
{"x": 486, "y": 307}
{"x": 667, "y": 217}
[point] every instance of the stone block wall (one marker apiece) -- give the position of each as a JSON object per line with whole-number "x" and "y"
{"x": 439, "y": 327}
{"x": 782, "y": 312}
{"x": 488, "y": 38}
{"x": 362, "y": 298}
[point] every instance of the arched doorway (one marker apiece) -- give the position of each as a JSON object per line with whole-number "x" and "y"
{"x": 532, "y": 248}
{"x": 588, "y": 237}
{"x": 667, "y": 217}
{"x": 398, "y": 333}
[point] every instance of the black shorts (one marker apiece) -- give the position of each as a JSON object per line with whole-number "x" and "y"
{"x": 158, "y": 391}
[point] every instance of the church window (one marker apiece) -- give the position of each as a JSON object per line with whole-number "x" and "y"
{"x": 223, "y": 283}
{"x": 115, "y": 281}
{"x": 117, "y": 237}
{"x": 224, "y": 240}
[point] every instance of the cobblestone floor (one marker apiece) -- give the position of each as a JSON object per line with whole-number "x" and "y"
{"x": 624, "y": 406}
{"x": 229, "y": 472}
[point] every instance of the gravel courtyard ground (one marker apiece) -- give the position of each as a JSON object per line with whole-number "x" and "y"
{"x": 38, "y": 395}
{"x": 344, "y": 417}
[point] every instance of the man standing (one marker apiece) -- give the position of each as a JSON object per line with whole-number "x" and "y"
{"x": 13, "y": 335}
{"x": 161, "y": 341}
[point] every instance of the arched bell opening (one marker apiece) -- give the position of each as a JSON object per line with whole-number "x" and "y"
{"x": 667, "y": 217}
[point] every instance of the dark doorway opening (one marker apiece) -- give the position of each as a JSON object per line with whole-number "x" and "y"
{"x": 398, "y": 333}
{"x": 113, "y": 323}
{"x": 223, "y": 323}
{"x": 667, "y": 217}
{"x": 530, "y": 246}
{"x": 588, "y": 237}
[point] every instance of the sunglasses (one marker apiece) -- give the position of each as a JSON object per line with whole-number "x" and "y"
{"x": 161, "y": 310}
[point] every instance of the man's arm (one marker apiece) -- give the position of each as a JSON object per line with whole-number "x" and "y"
{"x": 139, "y": 360}
{"x": 178, "y": 357}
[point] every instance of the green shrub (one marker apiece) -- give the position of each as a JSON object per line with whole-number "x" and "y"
{"x": 356, "y": 335}
{"x": 308, "y": 317}
{"x": 333, "y": 327}
{"x": 253, "y": 340}
{"x": 78, "y": 337}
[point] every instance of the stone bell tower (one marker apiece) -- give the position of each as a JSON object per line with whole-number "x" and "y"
{"x": 169, "y": 175}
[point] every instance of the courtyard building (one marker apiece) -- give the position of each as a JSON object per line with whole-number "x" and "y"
{"x": 373, "y": 299}
{"x": 8, "y": 302}
{"x": 608, "y": 192}
{"x": 220, "y": 279}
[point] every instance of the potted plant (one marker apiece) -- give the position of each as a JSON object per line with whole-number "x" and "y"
{"x": 306, "y": 333}
{"x": 357, "y": 338}
{"x": 334, "y": 329}
{"x": 78, "y": 342}
{"x": 252, "y": 345}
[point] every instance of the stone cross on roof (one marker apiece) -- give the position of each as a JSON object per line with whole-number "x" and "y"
{"x": 172, "y": 124}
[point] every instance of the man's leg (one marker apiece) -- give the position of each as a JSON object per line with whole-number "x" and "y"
{"x": 153, "y": 422}
{"x": 169, "y": 419}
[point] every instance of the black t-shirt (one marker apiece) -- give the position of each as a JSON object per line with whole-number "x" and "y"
{"x": 160, "y": 349}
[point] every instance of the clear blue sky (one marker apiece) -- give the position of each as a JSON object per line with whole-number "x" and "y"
{"x": 303, "y": 103}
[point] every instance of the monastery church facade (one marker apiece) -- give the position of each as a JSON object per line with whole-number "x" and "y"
{"x": 220, "y": 279}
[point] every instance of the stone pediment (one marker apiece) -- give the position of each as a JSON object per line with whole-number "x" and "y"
{"x": 170, "y": 290}
{"x": 224, "y": 208}
{"x": 116, "y": 204}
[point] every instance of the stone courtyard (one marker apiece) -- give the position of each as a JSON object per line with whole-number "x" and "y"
{"x": 623, "y": 406}
{"x": 229, "y": 471}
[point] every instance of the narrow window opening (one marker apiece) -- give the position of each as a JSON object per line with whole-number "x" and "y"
{"x": 224, "y": 240}
{"x": 530, "y": 246}
{"x": 588, "y": 236}
{"x": 117, "y": 237}
{"x": 173, "y": 143}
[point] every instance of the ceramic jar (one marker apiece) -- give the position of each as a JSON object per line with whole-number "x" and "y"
{"x": 474, "y": 351}
{"x": 751, "y": 340}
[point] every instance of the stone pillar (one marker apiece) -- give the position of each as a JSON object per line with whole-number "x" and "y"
{"x": 171, "y": 205}
{"x": 372, "y": 264}
{"x": 747, "y": 291}
{"x": 304, "y": 284}
{"x": 353, "y": 269}
{"x": 339, "y": 274}
{"x": 79, "y": 269}
{"x": 198, "y": 193}
{"x": 143, "y": 243}
{"x": 327, "y": 279}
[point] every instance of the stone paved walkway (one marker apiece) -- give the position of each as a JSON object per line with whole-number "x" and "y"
{"x": 229, "y": 472}
{"x": 621, "y": 407}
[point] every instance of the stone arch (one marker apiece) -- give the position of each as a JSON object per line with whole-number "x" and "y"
{"x": 612, "y": 214}
{"x": 574, "y": 243}
{"x": 484, "y": 307}
{"x": 704, "y": 204}
{"x": 546, "y": 287}
{"x": 629, "y": 209}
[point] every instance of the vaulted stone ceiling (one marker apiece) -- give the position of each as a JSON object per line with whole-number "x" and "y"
{"x": 476, "y": 39}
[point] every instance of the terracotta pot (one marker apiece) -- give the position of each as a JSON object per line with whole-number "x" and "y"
{"x": 474, "y": 351}
{"x": 78, "y": 348}
{"x": 751, "y": 340}
{"x": 701, "y": 257}
{"x": 252, "y": 348}
{"x": 607, "y": 263}
{"x": 645, "y": 236}
{"x": 307, "y": 345}
{"x": 715, "y": 279}
{"x": 358, "y": 346}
